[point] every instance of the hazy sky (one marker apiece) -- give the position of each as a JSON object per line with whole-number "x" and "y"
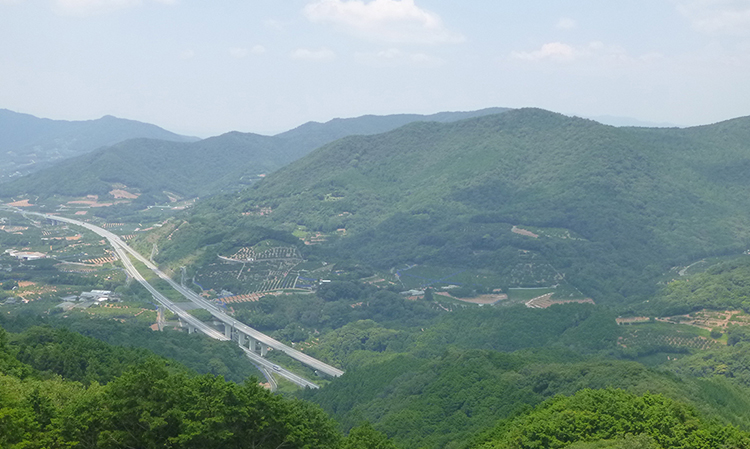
{"x": 207, "y": 67}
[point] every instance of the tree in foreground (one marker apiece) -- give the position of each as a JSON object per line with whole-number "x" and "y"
{"x": 611, "y": 419}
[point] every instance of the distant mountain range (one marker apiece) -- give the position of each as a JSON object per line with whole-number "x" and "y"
{"x": 613, "y": 207}
{"x": 629, "y": 121}
{"x": 28, "y": 143}
{"x": 224, "y": 163}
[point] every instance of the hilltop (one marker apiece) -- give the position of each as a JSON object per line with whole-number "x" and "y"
{"x": 29, "y": 143}
{"x": 152, "y": 167}
{"x": 611, "y": 208}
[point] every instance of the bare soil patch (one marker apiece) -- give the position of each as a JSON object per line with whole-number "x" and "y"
{"x": 22, "y": 203}
{"x": 521, "y": 231}
{"x": 710, "y": 319}
{"x": 123, "y": 194}
{"x": 544, "y": 301}
{"x": 485, "y": 299}
{"x": 481, "y": 299}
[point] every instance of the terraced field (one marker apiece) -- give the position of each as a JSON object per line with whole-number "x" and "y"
{"x": 254, "y": 270}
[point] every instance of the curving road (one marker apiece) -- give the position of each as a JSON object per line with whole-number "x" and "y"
{"x": 122, "y": 250}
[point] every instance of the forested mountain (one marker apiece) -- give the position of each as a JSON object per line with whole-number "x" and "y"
{"x": 58, "y": 389}
{"x": 611, "y": 419}
{"x": 28, "y": 143}
{"x": 223, "y": 163}
{"x": 614, "y": 207}
{"x": 439, "y": 385}
{"x": 152, "y": 167}
{"x": 312, "y": 135}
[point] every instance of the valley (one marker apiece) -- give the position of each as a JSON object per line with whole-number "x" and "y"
{"x": 374, "y": 224}
{"x": 430, "y": 280}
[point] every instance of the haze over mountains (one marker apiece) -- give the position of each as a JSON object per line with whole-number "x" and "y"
{"x": 624, "y": 204}
{"x": 189, "y": 169}
{"x": 371, "y": 245}
{"x": 448, "y": 189}
{"x": 29, "y": 143}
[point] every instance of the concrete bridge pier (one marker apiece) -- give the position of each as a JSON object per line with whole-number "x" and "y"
{"x": 227, "y": 331}
{"x": 255, "y": 345}
{"x": 191, "y": 329}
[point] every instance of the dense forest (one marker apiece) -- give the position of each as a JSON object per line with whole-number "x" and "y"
{"x": 525, "y": 198}
{"x": 436, "y": 386}
{"x": 154, "y": 164}
{"x": 611, "y": 418}
{"x": 202, "y": 355}
{"x": 628, "y": 203}
{"x": 62, "y": 390}
{"x": 723, "y": 286}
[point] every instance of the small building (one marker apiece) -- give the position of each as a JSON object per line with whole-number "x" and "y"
{"x": 95, "y": 296}
{"x": 413, "y": 293}
{"x": 25, "y": 255}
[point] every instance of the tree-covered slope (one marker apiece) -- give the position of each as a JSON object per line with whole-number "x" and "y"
{"x": 29, "y": 143}
{"x": 312, "y": 135}
{"x": 439, "y": 384}
{"x": 146, "y": 403}
{"x": 612, "y": 418}
{"x": 224, "y": 163}
{"x": 633, "y": 200}
{"x": 155, "y": 166}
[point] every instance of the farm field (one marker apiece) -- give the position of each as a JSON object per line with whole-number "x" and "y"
{"x": 122, "y": 313}
{"x": 251, "y": 270}
{"x": 668, "y": 340}
{"x": 429, "y": 276}
{"x": 696, "y": 267}
{"x": 521, "y": 295}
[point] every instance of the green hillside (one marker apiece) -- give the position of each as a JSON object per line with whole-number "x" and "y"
{"x": 224, "y": 163}
{"x": 612, "y": 418}
{"x": 313, "y": 134}
{"x": 152, "y": 167}
{"x": 52, "y": 397}
{"x": 613, "y": 208}
{"x": 29, "y": 144}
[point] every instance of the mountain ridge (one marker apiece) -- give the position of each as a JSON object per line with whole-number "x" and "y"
{"x": 641, "y": 199}
{"x": 222, "y": 163}
{"x": 31, "y": 143}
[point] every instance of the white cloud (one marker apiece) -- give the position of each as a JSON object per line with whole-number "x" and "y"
{"x": 717, "y": 16}
{"x": 89, "y": 7}
{"x": 323, "y": 54}
{"x": 559, "y": 52}
{"x": 241, "y": 52}
{"x": 555, "y": 51}
{"x": 395, "y": 57}
{"x": 566, "y": 23}
{"x": 187, "y": 54}
{"x": 395, "y": 21}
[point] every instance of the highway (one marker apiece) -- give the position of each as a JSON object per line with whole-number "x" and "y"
{"x": 122, "y": 250}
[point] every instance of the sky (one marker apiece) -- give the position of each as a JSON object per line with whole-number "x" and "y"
{"x": 203, "y": 68}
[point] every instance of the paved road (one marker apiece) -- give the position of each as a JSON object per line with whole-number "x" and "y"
{"x": 122, "y": 250}
{"x": 215, "y": 310}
